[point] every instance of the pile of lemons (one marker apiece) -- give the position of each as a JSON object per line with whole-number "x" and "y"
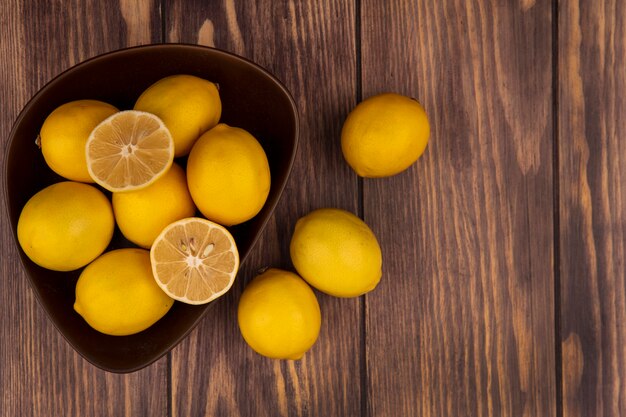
{"x": 172, "y": 178}
{"x": 120, "y": 169}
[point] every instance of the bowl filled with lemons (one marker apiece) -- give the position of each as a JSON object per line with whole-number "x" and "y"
{"x": 136, "y": 184}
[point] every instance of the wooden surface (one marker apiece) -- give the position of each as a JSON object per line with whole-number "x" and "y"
{"x": 503, "y": 291}
{"x": 592, "y": 206}
{"x": 463, "y": 324}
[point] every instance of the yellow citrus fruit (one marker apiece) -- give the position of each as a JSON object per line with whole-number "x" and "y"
{"x": 384, "y": 135}
{"x": 194, "y": 260}
{"x": 142, "y": 214}
{"x": 117, "y": 295}
{"x": 228, "y": 175}
{"x": 65, "y": 226}
{"x": 129, "y": 151}
{"x": 64, "y": 134}
{"x": 278, "y": 315}
{"x": 188, "y": 105}
{"x": 336, "y": 252}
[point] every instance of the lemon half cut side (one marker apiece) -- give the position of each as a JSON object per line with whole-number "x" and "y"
{"x": 194, "y": 260}
{"x": 129, "y": 151}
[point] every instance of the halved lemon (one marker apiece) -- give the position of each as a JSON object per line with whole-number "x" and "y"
{"x": 194, "y": 260}
{"x": 129, "y": 151}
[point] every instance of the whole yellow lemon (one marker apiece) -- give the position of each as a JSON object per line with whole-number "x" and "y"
{"x": 117, "y": 294}
{"x": 336, "y": 252}
{"x": 228, "y": 175}
{"x": 188, "y": 105}
{"x": 278, "y": 315}
{"x": 65, "y": 226}
{"x": 64, "y": 134}
{"x": 142, "y": 214}
{"x": 384, "y": 135}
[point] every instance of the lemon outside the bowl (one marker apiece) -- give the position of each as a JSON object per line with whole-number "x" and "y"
{"x": 65, "y": 226}
{"x": 336, "y": 252}
{"x": 278, "y": 315}
{"x": 117, "y": 294}
{"x": 64, "y": 134}
{"x": 188, "y": 105}
{"x": 384, "y": 135}
{"x": 228, "y": 175}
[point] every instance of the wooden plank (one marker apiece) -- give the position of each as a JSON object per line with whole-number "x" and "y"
{"x": 310, "y": 46}
{"x": 592, "y": 173}
{"x": 462, "y": 323}
{"x": 40, "y": 374}
{"x": 214, "y": 371}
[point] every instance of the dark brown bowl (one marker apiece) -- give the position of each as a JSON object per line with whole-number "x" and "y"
{"x": 252, "y": 99}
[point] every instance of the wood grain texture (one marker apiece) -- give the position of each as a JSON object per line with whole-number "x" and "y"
{"x": 462, "y": 323}
{"x": 592, "y": 173}
{"x": 40, "y": 374}
{"x": 310, "y": 46}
